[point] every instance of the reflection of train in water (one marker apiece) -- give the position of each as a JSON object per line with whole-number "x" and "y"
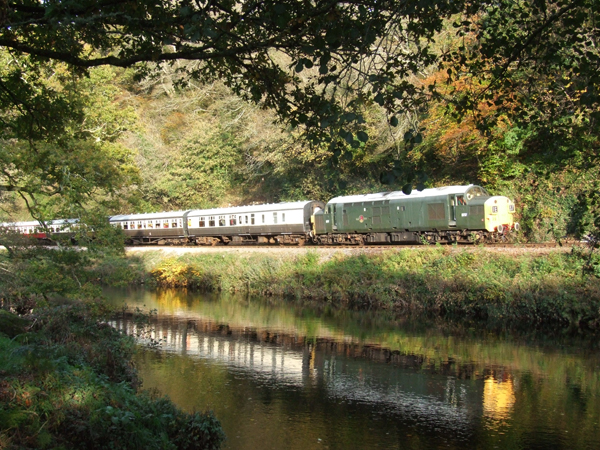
{"x": 449, "y": 394}
{"x": 446, "y": 214}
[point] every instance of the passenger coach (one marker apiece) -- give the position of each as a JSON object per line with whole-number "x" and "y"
{"x": 283, "y": 223}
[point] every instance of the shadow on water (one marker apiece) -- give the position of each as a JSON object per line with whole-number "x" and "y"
{"x": 281, "y": 375}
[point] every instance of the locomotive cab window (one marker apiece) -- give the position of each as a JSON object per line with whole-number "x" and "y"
{"x": 494, "y": 209}
{"x": 460, "y": 200}
{"x": 477, "y": 191}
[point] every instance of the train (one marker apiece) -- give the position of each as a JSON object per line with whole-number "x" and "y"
{"x": 450, "y": 214}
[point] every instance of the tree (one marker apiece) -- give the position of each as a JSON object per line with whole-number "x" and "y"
{"x": 352, "y": 52}
{"x": 319, "y": 64}
{"x": 58, "y": 144}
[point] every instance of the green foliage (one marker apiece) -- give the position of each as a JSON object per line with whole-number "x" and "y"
{"x": 288, "y": 56}
{"x": 69, "y": 382}
{"x": 58, "y": 146}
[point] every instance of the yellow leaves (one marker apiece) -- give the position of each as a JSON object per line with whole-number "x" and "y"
{"x": 173, "y": 273}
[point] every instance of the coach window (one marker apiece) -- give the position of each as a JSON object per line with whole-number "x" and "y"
{"x": 240, "y": 220}
{"x": 202, "y": 222}
{"x": 246, "y": 219}
{"x": 166, "y": 223}
{"x": 221, "y": 221}
{"x": 132, "y": 225}
{"x": 150, "y": 224}
{"x": 173, "y": 223}
{"x": 251, "y": 219}
{"x": 211, "y": 221}
{"x": 125, "y": 226}
{"x": 282, "y": 217}
{"x": 263, "y": 218}
{"x": 274, "y": 217}
{"x": 157, "y": 224}
{"x": 232, "y": 220}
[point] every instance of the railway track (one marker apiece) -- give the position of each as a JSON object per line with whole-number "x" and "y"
{"x": 367, "y": 247}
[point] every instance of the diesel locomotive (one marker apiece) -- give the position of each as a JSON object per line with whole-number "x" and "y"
{"x": 446, "y": 214}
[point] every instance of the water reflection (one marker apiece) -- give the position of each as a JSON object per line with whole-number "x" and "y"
{"x": 278, "y": 376}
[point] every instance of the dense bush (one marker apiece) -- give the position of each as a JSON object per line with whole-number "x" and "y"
{"x": 67, "y": 381}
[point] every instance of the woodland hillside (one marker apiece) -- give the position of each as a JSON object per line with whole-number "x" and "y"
{"x": 502, "y": 94}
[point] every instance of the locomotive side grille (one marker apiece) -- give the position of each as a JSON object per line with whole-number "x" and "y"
{"x": 476, "y": 210}
{"x": 436, "y": 211}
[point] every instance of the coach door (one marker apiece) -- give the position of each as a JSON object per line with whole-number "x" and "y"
{"x": 335, "y": 218}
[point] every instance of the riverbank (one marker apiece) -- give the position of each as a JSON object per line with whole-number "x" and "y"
{"x": 559, "y": 287}
{"x": 67, "y": 381}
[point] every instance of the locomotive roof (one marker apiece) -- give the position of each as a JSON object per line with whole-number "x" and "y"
{"x": 431, "y": 192}
{"x": 265, "y": 207}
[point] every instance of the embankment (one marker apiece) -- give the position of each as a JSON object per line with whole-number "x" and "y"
{"x": 559, "y": 288}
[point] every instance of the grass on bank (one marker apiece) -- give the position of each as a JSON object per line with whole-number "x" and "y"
{"x": 558, "y": 287}
{"x": 67, "y": 382}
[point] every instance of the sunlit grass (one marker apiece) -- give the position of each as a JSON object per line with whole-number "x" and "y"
{"x": 441, "y": 280}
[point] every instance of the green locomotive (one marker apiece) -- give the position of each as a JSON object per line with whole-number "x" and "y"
{"x": 446, "y": 214}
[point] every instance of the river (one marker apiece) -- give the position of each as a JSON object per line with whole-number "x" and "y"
{"x": 287, "y": 376}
